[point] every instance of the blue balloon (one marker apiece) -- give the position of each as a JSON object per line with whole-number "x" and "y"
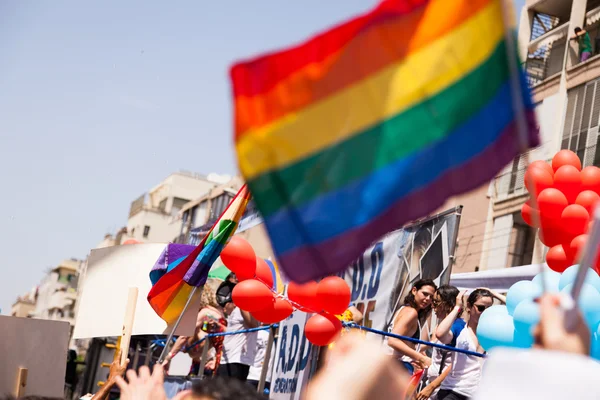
{"x": 568, "y": 277}
{"x": 589, "y": 303}
{"x": 526, "y": 316}
{"x": 498, "y": 331}
{"x": 551, "y": 280}
{"x": 522, "y": 290}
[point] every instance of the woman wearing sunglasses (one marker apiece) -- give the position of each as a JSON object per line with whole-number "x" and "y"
{"x": 408, "y": 321}
{"x": 444, "y": 302}
{"x": 465, "y": 373}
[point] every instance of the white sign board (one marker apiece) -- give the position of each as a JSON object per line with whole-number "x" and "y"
{"x": 293, "y": 358}
{"x": 111, "y": 271}
{"x": 40, "y": 346}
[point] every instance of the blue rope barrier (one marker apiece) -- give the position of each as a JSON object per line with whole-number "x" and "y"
{"x": 413, "y": 340}
{"x": 211, "y": 335}
{"x": 346, "y": 324}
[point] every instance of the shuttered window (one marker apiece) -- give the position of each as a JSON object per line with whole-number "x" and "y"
{"x": 580, "y": 132}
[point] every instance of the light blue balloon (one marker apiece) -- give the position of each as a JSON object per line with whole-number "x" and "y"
{"x": 526, "y": 316}
{"x": 551, "y": 279}
{"x": 522, "y": 290}
{"x": 595, "y": 348}
{"x": 568, "y": 277}
{"x": 589, "y": 303}
{"x": 523, "y": 340}
{"x": 492, "y": 312}
{"x": 498, "y": 331}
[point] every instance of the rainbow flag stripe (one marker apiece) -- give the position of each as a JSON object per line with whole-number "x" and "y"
{"x": 374, "y": 123}
{"x": 176, "y": 274}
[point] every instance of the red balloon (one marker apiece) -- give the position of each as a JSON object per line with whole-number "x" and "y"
{"x": 239, "y": 257}
{"x": 566, "y": 157}
{"x": 530, "y": 214}
{"x": 333, "y": 294}
{"x": 278, "y": 311}
{"x": 574, "y": 219}
{"x": 543, "y": 165}
{"x": 553, "y": 237}
{"x": 557, "y": 259}
{"x": 537, "y": 179}
{"x": 588, "y": 199}
{"x": 322, "y": 329}
{"x": 567, "y": 179}
{"x": 304, "y": 295}
{"x": 576, "y": 246}
{"x": 551, "y": 203}
{"x": 263, "y": 272}
{"x": 590, "y": 179}
{"x": 252, "y": 295}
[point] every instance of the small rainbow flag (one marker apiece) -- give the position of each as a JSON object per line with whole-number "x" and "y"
{"x": 377, "y": 122}
{"x": 173, "y": 281}
{"x": 413, "y": 384}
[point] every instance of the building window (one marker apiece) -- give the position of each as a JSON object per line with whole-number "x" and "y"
{"x": 522, "y": 242}
{"x": 580, "y": 132}
{"x": 132, "y": 231}
{"x": 219, "y": 204}
{"x": 146, "y": 231}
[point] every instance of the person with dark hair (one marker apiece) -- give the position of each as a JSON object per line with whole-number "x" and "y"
{"x": 238, "y": 350}
{"x": 408, "y": 321}
{"x": 465, "y": 374}
{"x": 585, "y": 44}
{"x": 444, "y": 301}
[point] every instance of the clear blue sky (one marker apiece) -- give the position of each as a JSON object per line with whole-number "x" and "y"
{"x": 101, "y": 100}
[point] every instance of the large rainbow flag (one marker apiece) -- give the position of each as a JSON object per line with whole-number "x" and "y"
{"x": 175, "y": 274}
{"x": 376, "y": 122}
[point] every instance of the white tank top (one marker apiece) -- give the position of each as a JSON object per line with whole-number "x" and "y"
{"x": 466, "y": 370}
{"x": 392, "y": 351}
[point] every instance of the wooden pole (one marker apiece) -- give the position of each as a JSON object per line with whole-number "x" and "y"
{"x": 128, "y": 323}
{"x": 21, "y": 383}
{"x": 266, "y": 361}
{"x": 204, "y": 358}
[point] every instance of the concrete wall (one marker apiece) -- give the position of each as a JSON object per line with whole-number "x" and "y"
{"x": 472, "y": 228}
{"x": 163, "y": 228}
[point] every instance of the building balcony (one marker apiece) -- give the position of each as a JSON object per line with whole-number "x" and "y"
{"x": 550, "y": 40}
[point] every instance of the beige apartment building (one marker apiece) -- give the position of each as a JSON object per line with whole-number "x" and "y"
{"x": 57, "y": 293}
{"x": 153, "y": 217}
{"x": 24, "y": 306}
{"x": 566, "y": 92}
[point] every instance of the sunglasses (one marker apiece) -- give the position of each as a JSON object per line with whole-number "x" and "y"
{"x": 480, "y": 307}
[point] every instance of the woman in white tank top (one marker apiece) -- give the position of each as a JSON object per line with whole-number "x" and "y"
{"x": 408, "y": 321}
{"x": 463, "y": 379}
{"x": 443, "y": 303}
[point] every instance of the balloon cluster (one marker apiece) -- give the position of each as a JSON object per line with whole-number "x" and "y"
{"x": 512, "y": 325}
{"x": 255, "y": 293}
{"x": 566, "y": 196}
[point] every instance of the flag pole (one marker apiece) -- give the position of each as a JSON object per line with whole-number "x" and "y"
{"x": 519, "y": 107}
{"x": 168, "y": 342}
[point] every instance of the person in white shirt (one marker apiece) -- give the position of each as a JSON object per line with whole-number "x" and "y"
{"x": 238, "y": 350}
{"x": 262, "y": 341}
{"x": 463, "y": 379}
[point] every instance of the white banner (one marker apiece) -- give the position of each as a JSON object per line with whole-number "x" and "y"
{"x": 293, "y": 358}
{"x": 372, "y": 280}
{"x": 111, "y": 271}
{"x": 382, "y": 277}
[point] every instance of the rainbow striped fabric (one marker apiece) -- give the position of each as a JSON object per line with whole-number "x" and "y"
{"x": 175, "y": 274}
{"x": 374, "y": 123}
